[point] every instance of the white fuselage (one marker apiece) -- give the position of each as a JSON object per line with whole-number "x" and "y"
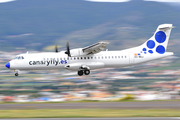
{"x": 104, "y": 59}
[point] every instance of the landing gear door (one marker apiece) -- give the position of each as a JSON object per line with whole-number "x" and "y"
{"x": 131, "y": 58}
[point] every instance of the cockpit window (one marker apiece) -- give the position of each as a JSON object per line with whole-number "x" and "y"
{"x": 19, "y": 58}
{"x": 15, "y": 58}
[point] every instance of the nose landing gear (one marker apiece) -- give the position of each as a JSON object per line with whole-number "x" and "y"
{"x": 16, "y": 72}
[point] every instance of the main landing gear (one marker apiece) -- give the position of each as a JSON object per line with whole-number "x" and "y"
{"x": 85, "y": 71}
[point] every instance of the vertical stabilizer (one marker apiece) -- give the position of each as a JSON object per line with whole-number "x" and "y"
{"x": 159, "y": 41}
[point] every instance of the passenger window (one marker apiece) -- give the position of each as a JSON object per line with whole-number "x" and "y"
{"x": 84, "y": 57}
{"x": 81, "y": 58}
{"x": 115, "y": 56}
{"x": 109, "y": 57}
{"x": 102, "y": 57}
{"x": 118, "y": 56}
{"x": 74, "y": 58}
{"x": 91, "y": 57}
{"x": 122, "y": 56}
{"x": 112, "y": 56}
{"x": 88, "y": 57}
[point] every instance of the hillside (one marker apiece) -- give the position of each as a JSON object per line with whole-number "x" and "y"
{"x": 35, "y": 24}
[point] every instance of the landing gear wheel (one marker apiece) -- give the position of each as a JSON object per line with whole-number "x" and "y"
{"x": 16, "y": 74}
{"x": 86, "y": 72}
{"x": 80, "y": 73}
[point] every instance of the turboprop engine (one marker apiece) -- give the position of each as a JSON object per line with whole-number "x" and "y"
{"x": 74, "y": 52}
{"x": 77, "y": 52}
{"x": 93, "y": 49}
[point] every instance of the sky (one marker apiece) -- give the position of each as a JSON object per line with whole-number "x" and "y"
{"x": 108, "y": 0}
{"x": 4, "y": 1}
{"x": 130, "y": 0}
{"x": 164, "y": 0}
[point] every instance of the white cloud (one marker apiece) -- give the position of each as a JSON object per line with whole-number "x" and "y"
{"x": 164, "y": 0}
{"x": 4, "y": 1}
{"x": 108, "y": 0}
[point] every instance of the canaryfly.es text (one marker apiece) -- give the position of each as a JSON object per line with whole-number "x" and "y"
{"x": 48, "y": 62}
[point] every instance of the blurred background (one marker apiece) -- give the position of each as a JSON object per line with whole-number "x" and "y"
{"x": 37, "y": 25}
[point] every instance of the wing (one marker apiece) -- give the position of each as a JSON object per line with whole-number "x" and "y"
{"x": 95, "y": 48}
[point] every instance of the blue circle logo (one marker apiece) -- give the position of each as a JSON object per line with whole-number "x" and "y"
{"x": 160, "y": 37}
{"x": 150, "y": 44}
{"x": 150, "y": 51}
{"x": 144, "y": 49}
{"x": 160, "y": 49}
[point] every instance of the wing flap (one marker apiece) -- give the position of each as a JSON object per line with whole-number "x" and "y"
{"x": 95, "y": 48}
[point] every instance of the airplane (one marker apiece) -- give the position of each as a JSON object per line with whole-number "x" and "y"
{"x": 83, "y": 60}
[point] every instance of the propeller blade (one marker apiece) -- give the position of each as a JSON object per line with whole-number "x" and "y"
{"x": 68, "y": 49}
{"x": 56, "y": 48}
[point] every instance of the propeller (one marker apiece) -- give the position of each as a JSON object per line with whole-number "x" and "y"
{"x": 56, "y": 48}
{"x": 68, "y": 49}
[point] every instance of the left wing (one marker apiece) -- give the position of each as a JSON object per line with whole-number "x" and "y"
{"x": 95, "y": 48}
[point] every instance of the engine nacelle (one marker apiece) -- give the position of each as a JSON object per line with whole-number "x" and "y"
{"x": 77, "y": 52}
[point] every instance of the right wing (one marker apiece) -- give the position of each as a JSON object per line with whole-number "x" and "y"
{"x": 95, "y": 48}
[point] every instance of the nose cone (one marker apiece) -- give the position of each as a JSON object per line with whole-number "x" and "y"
{"x": 8, "y": 65}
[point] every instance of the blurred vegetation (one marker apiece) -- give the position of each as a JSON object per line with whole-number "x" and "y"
{"x": 88, "y": 113}
{"x": 127, "y": 97}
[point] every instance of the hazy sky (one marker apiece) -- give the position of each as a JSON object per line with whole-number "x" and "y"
{"x": 130, "y": 0}
{"x": 3, "y": 1}
{"x": 164, "y": 0}
{"x": 109, "y": 0}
